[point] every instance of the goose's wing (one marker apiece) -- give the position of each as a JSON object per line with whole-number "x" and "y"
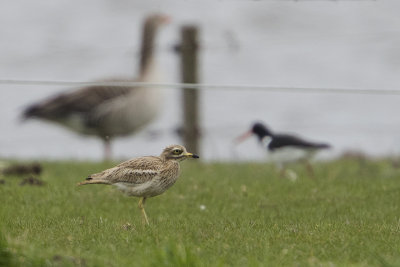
{"x": 80, "y": 101}
{"x": 134, "y": 171}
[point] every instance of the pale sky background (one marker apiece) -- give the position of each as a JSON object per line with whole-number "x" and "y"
{"x": 327, "y": 44}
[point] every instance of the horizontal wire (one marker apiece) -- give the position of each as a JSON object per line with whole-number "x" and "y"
{"x": 199, "y": 86}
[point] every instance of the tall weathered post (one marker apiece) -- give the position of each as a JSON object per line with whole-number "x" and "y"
{"x": 189, "y": 72}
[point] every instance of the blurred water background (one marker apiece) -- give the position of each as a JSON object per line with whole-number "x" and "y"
{"x": 318, "y": 44}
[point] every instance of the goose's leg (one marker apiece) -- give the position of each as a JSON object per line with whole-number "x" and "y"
{"x": 107, "y": 148}
{"x": 141, "y": 207}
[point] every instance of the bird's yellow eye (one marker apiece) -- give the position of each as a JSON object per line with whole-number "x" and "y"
{"x": 177, "y": 151}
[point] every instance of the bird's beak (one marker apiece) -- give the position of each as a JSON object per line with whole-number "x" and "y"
{"x": 243, "y": 137}
{"x": 191, "y": 155}
{"x": 166, "y": 19}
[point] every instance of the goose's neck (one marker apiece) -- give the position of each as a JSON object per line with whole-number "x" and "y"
{"x": 147, "y": 49}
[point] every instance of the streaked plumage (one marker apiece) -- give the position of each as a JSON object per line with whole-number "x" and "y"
{"x": 144, "y": 177}
{"x": 108, "y": 111}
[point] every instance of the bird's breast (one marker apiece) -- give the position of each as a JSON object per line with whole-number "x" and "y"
{"x": 130, "y": 113}
{"x": 169, "y": 174}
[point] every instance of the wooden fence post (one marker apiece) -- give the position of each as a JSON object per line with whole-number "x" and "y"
{"x": 189, "y": 68}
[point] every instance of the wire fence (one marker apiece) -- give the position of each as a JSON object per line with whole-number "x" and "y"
{"x": 200, "y": 86}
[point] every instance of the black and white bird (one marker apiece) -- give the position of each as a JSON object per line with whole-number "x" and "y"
{"x": 109, "y": 111}
{"x": 284, "y": 148}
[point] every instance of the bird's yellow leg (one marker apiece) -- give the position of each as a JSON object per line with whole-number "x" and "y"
{"x": 141, "y": 207}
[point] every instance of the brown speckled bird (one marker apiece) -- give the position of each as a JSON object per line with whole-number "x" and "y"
{"x": 144, "y": 177}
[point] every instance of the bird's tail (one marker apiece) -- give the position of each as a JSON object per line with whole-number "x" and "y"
{"x": 35, "y": 110}
{"x": 90, "y": 180}
{"x": 30, "y": 111}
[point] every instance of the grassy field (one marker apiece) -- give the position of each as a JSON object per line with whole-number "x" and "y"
{"x": 215, "y": 215}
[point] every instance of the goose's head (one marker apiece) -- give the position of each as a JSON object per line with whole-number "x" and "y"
{"x": 155, "y": 20}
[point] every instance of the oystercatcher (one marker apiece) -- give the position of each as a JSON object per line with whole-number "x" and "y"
{"x": 284, "y": 148}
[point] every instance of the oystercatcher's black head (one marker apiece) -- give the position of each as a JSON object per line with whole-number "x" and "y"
{"x": 260, "y": 130}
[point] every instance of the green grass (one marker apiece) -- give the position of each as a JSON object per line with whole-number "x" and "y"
{"x": 348, "y": 215}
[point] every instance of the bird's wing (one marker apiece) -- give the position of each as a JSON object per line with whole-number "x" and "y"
{"x": 284, "y": 140}
{"x": 80, "y": 101}
{"x": 134, "y": 171}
